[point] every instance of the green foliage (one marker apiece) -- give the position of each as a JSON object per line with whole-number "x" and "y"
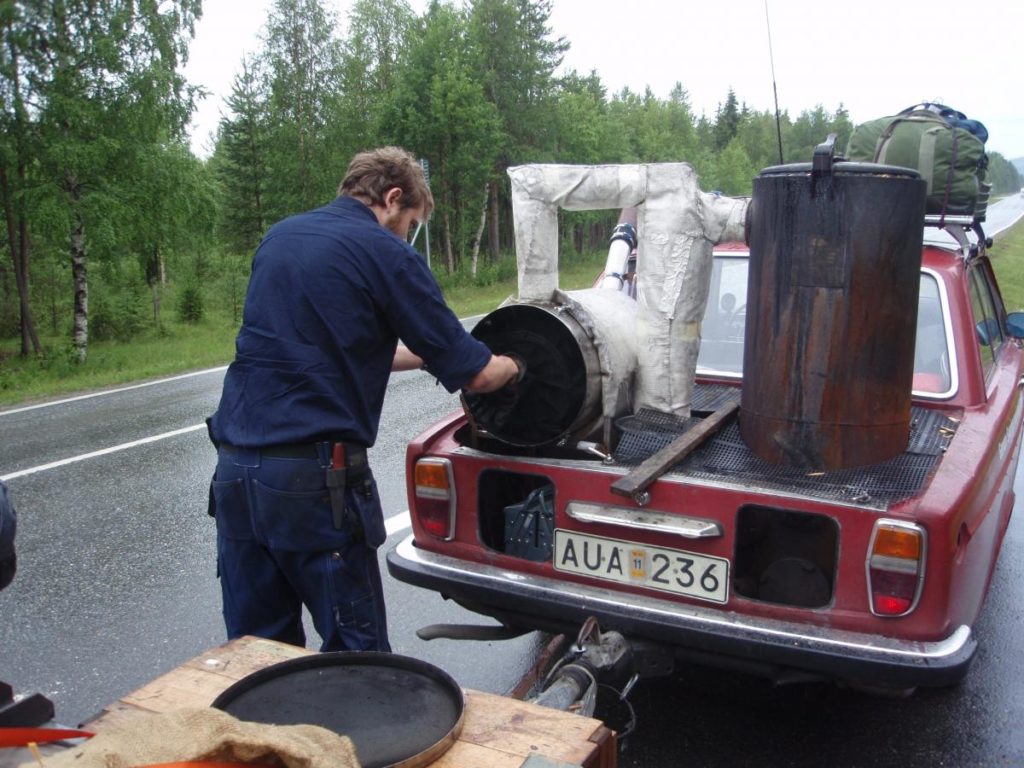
{"x": 375, "y": 50}
{"x": 229, "y": 283}
{"x": 1003, "y": 175}
{"x": 811, "y": 129}
{"x": 1008, "y": 262}
{"x": 94, "y": 111}
{"x": 727, "y": 121}
{"x": 240, "y": 164}
{"x": 441, "y": 112}
{"x": 303, "y": 65}
{"x": 117, "y": 312}
{"x": 494, "y": 273}
{"x": 733, "y": 172}
{"x": 516, "y": 58}
{"x": 190, "y": 303}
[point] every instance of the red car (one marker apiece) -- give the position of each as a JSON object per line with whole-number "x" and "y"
{"x": 872, "y": 575}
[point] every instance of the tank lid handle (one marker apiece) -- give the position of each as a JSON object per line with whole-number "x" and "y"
{"x": 824, "y": 154}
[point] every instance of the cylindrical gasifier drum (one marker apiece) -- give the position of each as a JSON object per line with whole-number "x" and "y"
{"x": 835, "y": 260}
{"x": 562, "y": 387}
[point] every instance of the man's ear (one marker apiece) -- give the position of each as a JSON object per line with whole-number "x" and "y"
{"x": 392, "y": 196}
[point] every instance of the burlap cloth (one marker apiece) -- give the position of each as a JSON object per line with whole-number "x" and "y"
{"x": 206, "y": 734}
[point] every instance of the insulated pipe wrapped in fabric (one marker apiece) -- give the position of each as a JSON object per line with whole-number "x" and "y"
{"x": 835, "y": 260}
{"x": 678, "y": 225}
{"x": 538, "y": 191}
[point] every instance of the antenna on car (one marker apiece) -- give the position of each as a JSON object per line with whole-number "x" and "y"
{"x": 771, "y": 59}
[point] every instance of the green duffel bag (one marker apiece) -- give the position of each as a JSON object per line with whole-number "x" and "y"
{"x": 951, "y": 158}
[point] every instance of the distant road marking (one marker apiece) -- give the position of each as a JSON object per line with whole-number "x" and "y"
{"x": 102, "y": 452}
{"x": 113, "y": 391}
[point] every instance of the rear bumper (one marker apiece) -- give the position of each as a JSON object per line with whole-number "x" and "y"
{"x": 866, "y": 659}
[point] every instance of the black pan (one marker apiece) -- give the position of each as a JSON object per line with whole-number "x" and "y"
{"x": 398, "y": 711}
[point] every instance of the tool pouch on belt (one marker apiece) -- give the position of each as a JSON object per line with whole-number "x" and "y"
{"x": 354, "y": 499}
{"x": 363, "y": 504}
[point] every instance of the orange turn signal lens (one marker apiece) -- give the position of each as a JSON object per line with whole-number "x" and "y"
{"x": 891, "y": 541}
{"x": 433, "y": 478}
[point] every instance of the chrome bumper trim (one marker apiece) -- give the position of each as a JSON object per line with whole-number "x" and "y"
{"x": 956, "y": 649}
{"x": 644, "y": 520}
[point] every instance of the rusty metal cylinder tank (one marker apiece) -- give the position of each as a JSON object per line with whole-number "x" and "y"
{"x": 562, "y": 387}
{"x": 835, "y": 260}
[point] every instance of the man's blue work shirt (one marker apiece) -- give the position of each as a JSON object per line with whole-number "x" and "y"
{"x": 331, "y": 293}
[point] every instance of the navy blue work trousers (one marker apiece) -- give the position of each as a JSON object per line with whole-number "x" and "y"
{"x": 278, "y": 549}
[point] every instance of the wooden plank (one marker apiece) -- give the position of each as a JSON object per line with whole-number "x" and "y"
{"x": 607, "y": 753}
{"x": 198, "y": 681}
{"x": 498, "y": 731}
{"x": 520, "y": 728}
{"x": 655, "y": 466}
{"x": 243, "y": 656}
{"x": 464, "y": 754}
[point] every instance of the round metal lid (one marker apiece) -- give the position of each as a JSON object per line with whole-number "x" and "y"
{"x": 841, "y": 166}
{"x": 398, "y": 711}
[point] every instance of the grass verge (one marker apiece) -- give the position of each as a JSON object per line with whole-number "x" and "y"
{"x": 1008, "y": 262}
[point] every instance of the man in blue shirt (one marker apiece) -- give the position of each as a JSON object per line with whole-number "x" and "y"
{"x": 332, "y": 291}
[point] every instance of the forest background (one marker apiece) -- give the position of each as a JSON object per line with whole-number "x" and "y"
{"x": 124, "y": 255}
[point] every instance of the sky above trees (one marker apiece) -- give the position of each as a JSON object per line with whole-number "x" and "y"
{"x": 824, "y": 54}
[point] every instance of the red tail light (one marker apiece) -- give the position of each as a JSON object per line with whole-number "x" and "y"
{"x": 895, "y": 567}
{"x": 435, "y": 497}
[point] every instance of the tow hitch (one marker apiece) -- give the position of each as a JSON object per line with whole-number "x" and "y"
{"x": 596, "y": 659}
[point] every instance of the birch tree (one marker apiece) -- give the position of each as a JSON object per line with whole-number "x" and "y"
{"x": 99, "y": 80}
{"x": 303, "y": 65}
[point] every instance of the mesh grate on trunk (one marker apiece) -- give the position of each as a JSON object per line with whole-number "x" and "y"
{"x": 726, "y": 457}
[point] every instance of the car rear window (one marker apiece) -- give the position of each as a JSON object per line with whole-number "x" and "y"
{"x": 721, "y": 349}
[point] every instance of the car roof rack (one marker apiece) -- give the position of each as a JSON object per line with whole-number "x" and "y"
{"x": 959, "y": 228}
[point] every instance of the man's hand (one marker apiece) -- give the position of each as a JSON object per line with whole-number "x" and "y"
{"x": 520, "y": 374}
{"x": 499, "y": 371}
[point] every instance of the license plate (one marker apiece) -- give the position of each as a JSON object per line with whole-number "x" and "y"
{"x": 626, "y": 562}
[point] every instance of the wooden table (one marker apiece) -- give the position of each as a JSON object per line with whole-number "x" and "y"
{"x": 498, "y": 731}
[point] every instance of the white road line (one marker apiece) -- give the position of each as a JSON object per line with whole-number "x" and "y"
{"x": 392, "y": 525}
{"x": 102, "y": 452}
{"x": 113, "y": 391}
{"x": 397, "y": 523}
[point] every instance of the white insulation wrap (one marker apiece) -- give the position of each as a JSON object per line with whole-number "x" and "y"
{"x": 677, "y": 227}
{"x": 609, "y": 318}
